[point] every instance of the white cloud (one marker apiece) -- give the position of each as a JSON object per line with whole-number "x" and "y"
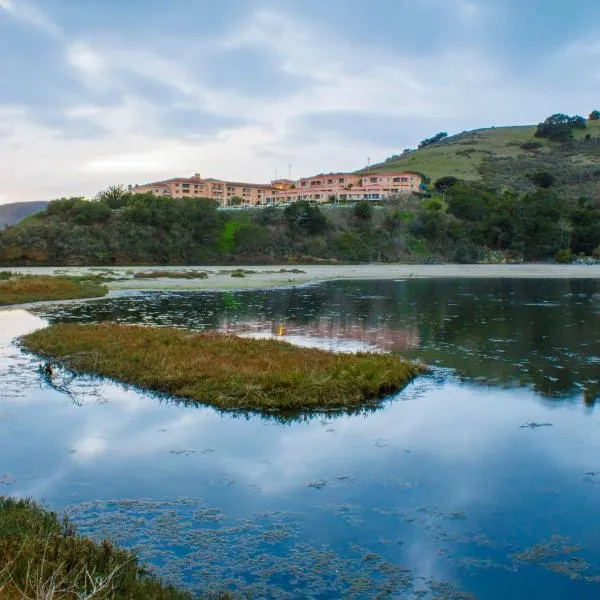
{"x": 457, "y": 88}
{"x": 31, "y": 15}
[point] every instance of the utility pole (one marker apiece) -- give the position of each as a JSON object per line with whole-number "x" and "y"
{"x": 368, "y": 163}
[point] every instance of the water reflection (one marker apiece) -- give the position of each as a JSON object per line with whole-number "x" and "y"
{"x": 453, "y": 488}
{"x": 538, "y": 333}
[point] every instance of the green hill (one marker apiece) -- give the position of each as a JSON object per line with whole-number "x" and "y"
{"x": 505, "y": 157}
{"x": 11, "y": 214}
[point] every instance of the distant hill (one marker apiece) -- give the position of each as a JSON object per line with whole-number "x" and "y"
{"x": 505, "y": 157}
{"x": 11, "y": 214}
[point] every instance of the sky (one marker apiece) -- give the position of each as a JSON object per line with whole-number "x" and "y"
{"x": 102, "y": 92}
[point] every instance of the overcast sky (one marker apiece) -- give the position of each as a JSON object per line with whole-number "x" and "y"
{"x": 96, "y": 92}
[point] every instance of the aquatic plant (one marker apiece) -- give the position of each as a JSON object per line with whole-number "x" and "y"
{"x": 226, "y": 371}
{"x": 20, "y": 289}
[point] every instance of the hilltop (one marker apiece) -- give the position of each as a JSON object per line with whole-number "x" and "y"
{"x": 505, "y": 157}
{"x": 11, "y": 214}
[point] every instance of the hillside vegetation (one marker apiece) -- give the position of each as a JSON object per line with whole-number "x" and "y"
{"x": 505, "y": 157}
{"x": 496, "y": 195}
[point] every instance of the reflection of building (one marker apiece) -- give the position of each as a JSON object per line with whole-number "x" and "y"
{"x": 338, "y": 187}
{"x": 385, "y": 338}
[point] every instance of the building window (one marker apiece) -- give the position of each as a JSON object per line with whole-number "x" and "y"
{"x": 330, "y": 181}
{"x": 404, "y": 179}
{"x": 373, "y": 179}
{"x": 341, "y": 180}
{"x": 396, "y": 179}
{"x": 395, "y": 191}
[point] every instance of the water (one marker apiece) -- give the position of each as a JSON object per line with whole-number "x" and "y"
{"x": 479, "y": 480}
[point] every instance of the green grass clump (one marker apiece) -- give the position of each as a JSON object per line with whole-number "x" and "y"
{"x": 20, "y": 289}
{"x": 171, "y": 274}
{"x": 228, "y": 372}
{"x": 42, "y": 557}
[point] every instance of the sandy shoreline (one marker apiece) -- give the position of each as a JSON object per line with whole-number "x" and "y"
{"x": 219, "y": 278}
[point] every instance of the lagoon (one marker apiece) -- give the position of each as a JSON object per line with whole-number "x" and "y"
{"x": 481, "y": 479}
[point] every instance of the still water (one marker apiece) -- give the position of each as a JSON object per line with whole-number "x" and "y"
{"x": 480, "y": 480}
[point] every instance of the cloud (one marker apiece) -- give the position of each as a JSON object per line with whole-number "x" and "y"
{"x": 30, "y": 15}
{"x": 305, "y": 85}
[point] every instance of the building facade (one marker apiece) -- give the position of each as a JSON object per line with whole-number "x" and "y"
{"x": 332, "y": 187}
{"x": 349, "y": 187}
{"x": 226, "y": 193}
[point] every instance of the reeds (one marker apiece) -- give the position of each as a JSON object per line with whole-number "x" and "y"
{"x": 20, "y": 289}
{"x": 43, "y": 558}
{"x": 228, "y": 372}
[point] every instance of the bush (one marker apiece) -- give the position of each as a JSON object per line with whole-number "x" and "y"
{"x": 466, "y": 253}
{"x": 564, "y": 256}
{"x": 362, "y": 211}
{"x": 595, "y": 115}
{"x": 596, "y": 253}
{"x": 531, "y": 145}
{"x": 543, "y": 179}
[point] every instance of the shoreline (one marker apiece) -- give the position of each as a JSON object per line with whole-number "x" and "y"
{"x": 266, "y": 277}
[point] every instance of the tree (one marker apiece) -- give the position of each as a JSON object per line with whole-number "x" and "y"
{"x": 235, "y": 201}
{"x": 559, "y": 127}
{"x": 115, "y": 196}
{"x": 438, "y": 137}
{"x": 443, "y": 184}
{"x": 595, "y": 115}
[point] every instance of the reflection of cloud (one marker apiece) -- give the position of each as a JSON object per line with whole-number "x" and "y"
{"x": 15, "y": 323}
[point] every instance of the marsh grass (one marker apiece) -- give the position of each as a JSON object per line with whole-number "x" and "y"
{"x": 20, "y": 289}
{"x": 43, "y": 558}
{"x": 222, "y": 370}
{"x": 171, "y": 274}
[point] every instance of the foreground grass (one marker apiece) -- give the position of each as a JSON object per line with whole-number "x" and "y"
{"x": 42, "y": 557}
{"x": 20, "y": 289}
{"x": 225, "y": 371}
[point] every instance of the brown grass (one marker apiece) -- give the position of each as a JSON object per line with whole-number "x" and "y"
{"x": 20, "y": 289}
{"x": 171, "y": 274}
{"x": 225, "y": 371}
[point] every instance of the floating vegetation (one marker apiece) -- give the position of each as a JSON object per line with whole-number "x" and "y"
{"x": 265, "y": 556}
{"x": 535, "y": 425}
{"x": 318, "y": 485}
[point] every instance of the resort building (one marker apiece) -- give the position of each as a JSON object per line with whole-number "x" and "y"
{"x": 349, "y": 187}
{"x": 332, "y": 187}
{"x": 226, "y": 193}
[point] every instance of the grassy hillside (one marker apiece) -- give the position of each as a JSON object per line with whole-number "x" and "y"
{"x": 10, "y": 214}
{"x": 497, "y": 157}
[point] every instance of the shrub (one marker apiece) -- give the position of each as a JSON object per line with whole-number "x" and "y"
{"x": 531, "y": 145}
{"x": 564, "y": 255}
{"x": 595, "y": 115}
{"x": 543, "y": 179}
{"x": 596, "y": 253}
